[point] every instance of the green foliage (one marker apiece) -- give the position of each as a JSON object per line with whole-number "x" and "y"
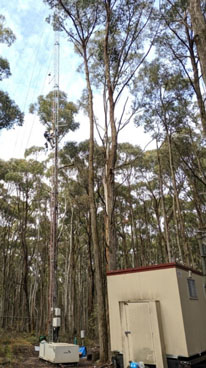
{"x": 130, "y": 26}
{"x": 84, "y": 15}
{"x": 147, "y": 184}
{"x": 6, "y": 34}
{"x": 167, "y": 95}
{"x": 66, "y": 113}
{"x": 33, "y": 150}
{"x": 10, "y": 114}
{"x": 4, "y": 69}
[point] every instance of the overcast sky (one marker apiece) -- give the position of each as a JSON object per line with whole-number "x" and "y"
{"x": 31, "y": 59}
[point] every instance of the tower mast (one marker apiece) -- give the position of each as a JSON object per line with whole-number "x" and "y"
{"x": 53, "y": 267}
{"x": 53, "y": 351}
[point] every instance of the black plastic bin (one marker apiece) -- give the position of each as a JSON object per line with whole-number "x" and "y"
{"x": 117, "y": 359}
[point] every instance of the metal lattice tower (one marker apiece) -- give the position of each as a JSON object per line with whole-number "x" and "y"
{"x": 53, "y": 284}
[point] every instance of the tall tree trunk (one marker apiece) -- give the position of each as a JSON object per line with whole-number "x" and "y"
{"x": 168, "y": 255}
{"x": 25, "y": 259}
{"x": 99, "y": 276}
{"x": 179, "y": 220}
{"x": 91, "y": 286}
{"x": 111, "y": 153}
{"x": 148, "y": 242}
{"x": 124, "y": 258}
{"x": 197, "y": 202}
{"x": 134, "y": 240}
{"x": 160, "y": 236}
{"x": 196, "y": 79}
{"x": 199, "y": 28}
{"x": 67, "y": 270}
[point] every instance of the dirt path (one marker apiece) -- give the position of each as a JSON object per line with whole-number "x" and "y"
{"x": 35, "y": 362}
{"x": 18, "y": 351}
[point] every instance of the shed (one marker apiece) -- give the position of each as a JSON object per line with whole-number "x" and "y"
{"x": 158, "y": 315}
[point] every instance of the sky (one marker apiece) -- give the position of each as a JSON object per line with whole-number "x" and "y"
{"x": 31, "y": 59}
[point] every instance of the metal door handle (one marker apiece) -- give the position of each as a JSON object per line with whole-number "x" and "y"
{"x": 127, "y": 333}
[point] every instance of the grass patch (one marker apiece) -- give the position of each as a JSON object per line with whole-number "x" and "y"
{"x": 16, "y": 346}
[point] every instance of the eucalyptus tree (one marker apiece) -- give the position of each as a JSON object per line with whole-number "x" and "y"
{"x": 24, "y": 229}
{"x": 74, "y": 170}
{"x": 141, "y": 176}
{"x": 166, "y": 110}
{"x": 179, "y": 43}
{"x": 10, "y": 113}
{"x": 188, "y": 161}
{"x": 75, "y": 191}
{"x": 8, "y": 233}
{"x": 189, "y": 146}
{"x": 109, "y": 37}
{"x": 57, "y": 114}
{"x": 197, "y": 13}
{"x": 128, "y": 203}
{"x": 116, "y": 52}
{"x": 8, "y": 37}
{"x": 150, "y": 174}
{"x": 141, "y": 195}
{"x": 66, "y": 113}
{"x": 119, "y": 50}
{"x": 20, "y": 178}
{"x": 79, "y": 20}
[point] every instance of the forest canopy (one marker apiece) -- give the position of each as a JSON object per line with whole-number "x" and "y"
{"x": 119, "y": 206}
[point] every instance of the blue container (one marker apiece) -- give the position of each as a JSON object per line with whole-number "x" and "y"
{"x": 82, "y": 351}
{"x": 134, "y": 365}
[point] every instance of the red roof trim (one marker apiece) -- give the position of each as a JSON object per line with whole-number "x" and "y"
{"x": 152, "y": 268}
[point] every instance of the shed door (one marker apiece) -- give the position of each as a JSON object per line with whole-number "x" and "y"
{"x": 141, "y": 334}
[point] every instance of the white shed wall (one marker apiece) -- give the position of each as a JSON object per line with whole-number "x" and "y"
{"x": 194, "y": 313}
{"x": 153, "y": 284}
